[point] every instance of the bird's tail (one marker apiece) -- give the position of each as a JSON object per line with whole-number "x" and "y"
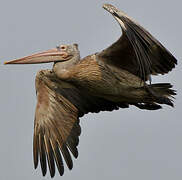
{"x": 162, "y": 93}
{"x": 156, "y": 94}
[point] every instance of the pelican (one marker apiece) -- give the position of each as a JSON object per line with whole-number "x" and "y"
{"x": 117, "y": 77}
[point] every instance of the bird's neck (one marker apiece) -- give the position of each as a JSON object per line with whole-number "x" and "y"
{"x": 62, "y": 69}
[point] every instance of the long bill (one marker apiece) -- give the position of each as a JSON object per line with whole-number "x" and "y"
{"x": 52, "y": 55}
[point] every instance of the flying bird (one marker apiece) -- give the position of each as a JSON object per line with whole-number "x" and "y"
{"x": 117, "y": 77}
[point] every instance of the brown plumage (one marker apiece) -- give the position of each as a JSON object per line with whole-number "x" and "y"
{"x": 112, "y": 79}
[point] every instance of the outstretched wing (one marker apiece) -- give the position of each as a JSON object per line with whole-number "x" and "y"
{"x": 56, "y": 126}
{"x": 137, "y": 51}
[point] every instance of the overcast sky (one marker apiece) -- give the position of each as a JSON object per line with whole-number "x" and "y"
{"x": 128, "y": 144}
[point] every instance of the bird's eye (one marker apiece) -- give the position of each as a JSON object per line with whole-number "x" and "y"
{"x": 63, "y": 47}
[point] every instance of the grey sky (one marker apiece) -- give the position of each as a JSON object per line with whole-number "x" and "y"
{"x": 125, "y": 144}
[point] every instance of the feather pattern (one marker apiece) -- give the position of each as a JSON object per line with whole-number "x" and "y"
{"x": 137, "y": 51}
{"x": 56, "y": 126}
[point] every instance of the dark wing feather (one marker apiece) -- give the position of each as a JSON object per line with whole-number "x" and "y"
{"x": 137, "y": 51}
{"x": 56, "y": 126}
{"x": 55, "y": 118}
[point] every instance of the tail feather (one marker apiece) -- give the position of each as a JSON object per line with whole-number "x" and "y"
{"x": 163, "y": 88}
{"x": 162, "y": 93}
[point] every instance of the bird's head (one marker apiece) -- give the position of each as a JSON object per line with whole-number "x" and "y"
{"x": 58, "y": 54}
